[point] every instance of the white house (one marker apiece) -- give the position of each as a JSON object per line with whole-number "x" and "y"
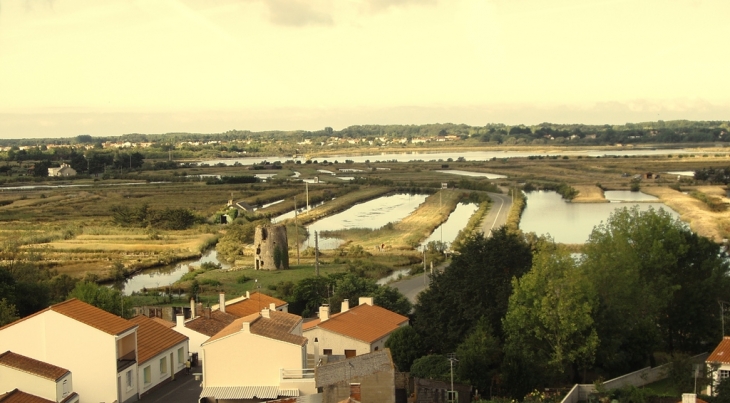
{"x": 260, "y": 356}
{"x": 718, "y": 364}
{"x": 21, "y": 375}
{"x": 99, "y": 348}
{"x": 63, "y": 170}
{"x": 161, "y": 351}
{"x": 354, "y": 331}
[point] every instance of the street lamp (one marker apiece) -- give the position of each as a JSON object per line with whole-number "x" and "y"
{"x": 452, "y": 360}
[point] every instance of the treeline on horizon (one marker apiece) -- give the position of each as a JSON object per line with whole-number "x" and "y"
{"x": 675, "y": 131}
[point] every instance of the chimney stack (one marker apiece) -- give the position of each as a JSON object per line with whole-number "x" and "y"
{"x": 246, "y": 327}
{"x": 206, "y": 312}
{"x": 266, "y": 313}
{"x": 180, "y": 321}
{"x": 689, "y": 398}
{"x": 248, "y": 295}
{"x": 366, "y": 300}
{"x": 192, "y": 308}
{"x": 222, "y": 302}
{"x": 355, "y": 392}
{"x": 272, "y": 306}
{"x": 324, "y": 312}
{"x": 345, "y": 306}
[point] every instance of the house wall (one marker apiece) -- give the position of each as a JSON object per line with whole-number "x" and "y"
{"x": 11, "y": 378}
{"x": 60, "y": 395}
{"x": 711, "y": 389}
{"x": 246, "y": 359}
{"x": 335, "y": 342}
{"x": 88, "y": 353}
{"x": 377, "y": 387}
{"x": 195, "y": 339}
{"x": 156, "y": 376}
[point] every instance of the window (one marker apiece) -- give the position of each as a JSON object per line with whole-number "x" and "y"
{"x": 129, "y": 379}
{"x": 724, "y": 374}
{"x": 327, "y": 351}
{"x": 350, "y": 353}
{"x": 163, "y": 365}
{"x": 147, "y": 372}
{"x": 376, "y": 348}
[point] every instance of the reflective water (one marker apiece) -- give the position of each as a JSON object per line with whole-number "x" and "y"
{"x": 572, "y": 223}
{"x": 457, "y": 220}
{"x": 682, "y": 173}
{"x": 31, "y": 187}
{"x": 627, "y": 195}
{"x": 166, "y": 275}
{"x": 372, "y": 214}
{"x": 473, "y": 174}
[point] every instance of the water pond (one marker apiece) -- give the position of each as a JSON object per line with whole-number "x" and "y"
{"x": 627, "y": 196}
{"x": 166, "y": 275}
{"x": 457, "y": 220}
{"x": 472, "y": 174}
{"x": 571, "y": 223}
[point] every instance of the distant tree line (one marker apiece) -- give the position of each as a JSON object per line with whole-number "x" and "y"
{"x": 143, "y": 216}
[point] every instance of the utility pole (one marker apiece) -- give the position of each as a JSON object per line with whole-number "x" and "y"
{"x": 296, "y": 227}
{"x": 442, "y": 224}
{"x": 424, "y": 264}
{"x": 316, "y": 254}
{"x": 452, "y": 359}
{"x": 307, "y": 187}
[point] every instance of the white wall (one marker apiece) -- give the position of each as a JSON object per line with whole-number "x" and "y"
{"x": 246, "y": 359}
{"x": 11, "y": 378}
{"x": 196, "y": 339}
{"x": 88, "y": 353}
{"x": 154, "y": 364}
{"x": 335, "y": 342}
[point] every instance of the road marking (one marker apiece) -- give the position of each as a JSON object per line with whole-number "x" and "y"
{"x": 497, "y": 215}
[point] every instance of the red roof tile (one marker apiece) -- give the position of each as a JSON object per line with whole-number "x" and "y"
{"x": 363, "y": 322}
{"x": 721, "y": 352}
{"x": 93, "y": 316}
{"x": 210, "y": 326}
{"x": 16, "y": 396}
{"x": 154, "y": 338}
{"x": 255, "y": 303}
{"x": 278, "y": 326}
{"x": 32, "y": 366}
{"x": 163, "y": 322}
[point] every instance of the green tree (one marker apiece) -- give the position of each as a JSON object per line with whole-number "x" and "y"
{"x": 108, "y": 299}
{"x": 432, "y": 366}
{"x": 405, "y": 347}
{"x": 477, "y": 284}
{"x": 392, "y": 299}
{"x": 8, "y": 312}
{"x": 480, "y": 357}
{"x": 549, "y": 323}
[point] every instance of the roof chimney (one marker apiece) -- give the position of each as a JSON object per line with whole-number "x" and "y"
{"x": 246, "y": 327}
{"x": 366, "y": 300}
{"x": 248, "y": 295}
{"x": 180, "y": 321}
{"x": 206, "y": 312}
{"x": 345, "y": 306}
{"x": 272, "y": 306}
{"x": 222, "y": 302}
{"x": 266, "y": 313}
{"x": 689, "y": 398}
{"x": 199, "y": 309}
{"x": 324, "y": 312}
{"x": 355, "y": 391}
{"x": 192, "y": 308}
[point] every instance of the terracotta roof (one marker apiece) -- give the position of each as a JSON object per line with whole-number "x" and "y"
{"x": 363, "y": 322}
{"x": 254, "y": 304}
{"x": 16, "y": 396}
{"x": 278, "y": 326}
{"x": 93, "y": 316}
{"x": 209, "y": 327}
{"x": 721, "y": 352}
{"x": 154, "y": 338}
{"x": 163, "y": 322}
{"x": 32, "y": 366}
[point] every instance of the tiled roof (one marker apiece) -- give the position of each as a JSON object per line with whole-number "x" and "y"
{"x": 32, "y": 366}
{"x": 247, "y": 392}
{"x": 209, "y": 327}
{"x": 16, "y": 396}
{"x": 93, "y": 316}
{"x": 163, "y": 322}
{"x": 255, "y": 303}
{"x": 363, "y": 322}
{"x": 721, "y": 352}
{"x": 278, "y": 326}
{"x": 154, "y": 338}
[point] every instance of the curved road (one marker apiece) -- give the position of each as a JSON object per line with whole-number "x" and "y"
{"x": 495, "y": 218}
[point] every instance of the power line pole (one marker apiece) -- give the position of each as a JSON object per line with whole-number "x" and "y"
{"x": 296, "y": 228}
{"x": 316, "y": 254}
{"x": 452, "y": 359}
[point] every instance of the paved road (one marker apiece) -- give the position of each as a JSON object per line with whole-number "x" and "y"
{"x": 497, "y": 214}
{"x": 495, "y": 218}
{"x": 184, "y": 389}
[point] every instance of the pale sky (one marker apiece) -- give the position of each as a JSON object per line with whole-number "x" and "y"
{"x": 110, "y": 67}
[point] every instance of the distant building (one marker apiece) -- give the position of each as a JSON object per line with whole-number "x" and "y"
{"x": 272, "y": 248}
{"x": 63, "y": 171}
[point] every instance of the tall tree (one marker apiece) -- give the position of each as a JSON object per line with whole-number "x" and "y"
{"x": 477, "y": 284}
{"x": 480, "y": 356}
{"x": 549, "y": 323}
{"x": 405, "y": 346}
{"x": 108, "y": 299}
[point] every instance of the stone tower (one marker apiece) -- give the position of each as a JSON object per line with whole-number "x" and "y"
{"x": 272, "y": 248}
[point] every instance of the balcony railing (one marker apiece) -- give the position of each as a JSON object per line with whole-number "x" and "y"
{"x": 297, "y": 374}
{"x": 126, "y": 361}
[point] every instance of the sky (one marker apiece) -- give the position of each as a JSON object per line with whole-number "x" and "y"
{"x": 106, "y": 68}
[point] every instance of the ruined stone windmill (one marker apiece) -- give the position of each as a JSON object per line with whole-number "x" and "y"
{"x": 272, "y": 248}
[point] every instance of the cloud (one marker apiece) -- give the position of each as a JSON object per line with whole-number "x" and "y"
{"x": 296, "y": 13}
